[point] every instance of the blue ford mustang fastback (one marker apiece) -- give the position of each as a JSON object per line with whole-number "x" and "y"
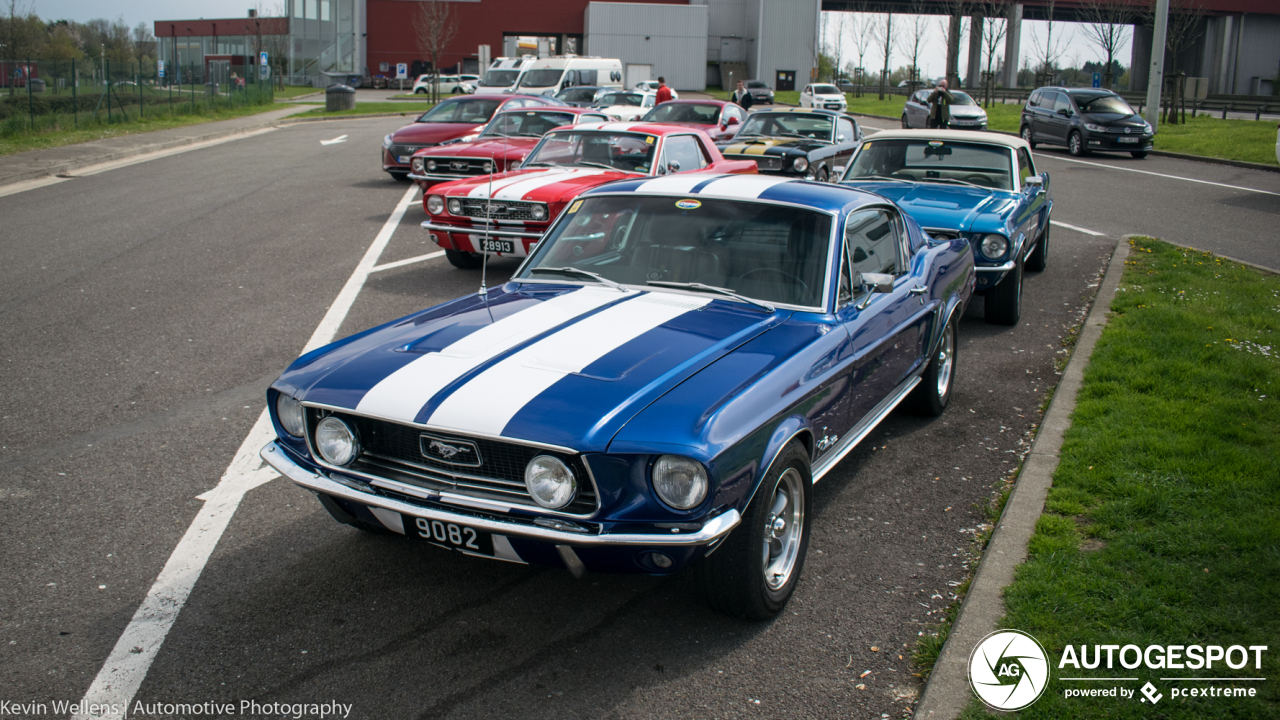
{"x": 976, "y": 185}
{"x": 659, "y": 384}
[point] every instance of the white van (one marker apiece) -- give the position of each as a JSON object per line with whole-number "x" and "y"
{"x": 549, "y": 76}
{"x": 503, "y": 74}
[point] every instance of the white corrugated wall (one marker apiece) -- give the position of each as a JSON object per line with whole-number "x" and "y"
{"x": 671, "y": 38}
{"x": 789, "y": 41}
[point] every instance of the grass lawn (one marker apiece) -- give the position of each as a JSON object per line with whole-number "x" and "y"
{"x": 1163, "y": 523}
{"x": 1249, "y": 140}
{"x": 368, "y": 108}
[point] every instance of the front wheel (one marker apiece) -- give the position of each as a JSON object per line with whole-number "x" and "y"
{"x": 420, "y": 91}
{"x": 1004, "y": 301}
{"x": 463, "y": 260}
{"x": 1026, "y": 135}
{"x": 905, "y": 125}
{"x": 1139, "y": 154}
{"x": 934, "y": 391}
{"x": 400, "y": 176}
{"x": 1075, "y": 144}
{"x": 823, "y": 176}
{"x": 1039, "y": 257}
{"x": 755, "y": 570}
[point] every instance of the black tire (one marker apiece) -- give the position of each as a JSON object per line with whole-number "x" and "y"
{"x": 400, "y": 176}
{"x": 823, "y": 176}
{"x": 1075, "y": 144}
{"x": 1003, "y": 304}
{"x": 1039, "y": 257}
{"x": 463, "y": 260}
{"x": 933, "y": 393}
{"x": 457, "y": 91}
{"x": 905, "y": 124}
{"x": 733, "y": 578}
{"x": 420, "y": 91}
{"x": 1026, "y": 135}
{"x": 1139, "y": 154}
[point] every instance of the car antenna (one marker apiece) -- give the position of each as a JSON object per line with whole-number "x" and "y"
{"x": 488, "y": 221}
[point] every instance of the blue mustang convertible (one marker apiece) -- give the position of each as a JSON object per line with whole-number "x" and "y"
{"x": 659, "y": 384}
{"x": 976, "y": 185}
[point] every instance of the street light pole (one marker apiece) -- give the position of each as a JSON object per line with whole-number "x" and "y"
{"x": 1155, "y": 80}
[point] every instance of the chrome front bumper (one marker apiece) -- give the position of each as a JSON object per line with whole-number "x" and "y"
{"x": 714, "y": 529}
{"x": 996, "y": 268}
{"x": 442, "y": 178}
{"x": 479, "y": 231}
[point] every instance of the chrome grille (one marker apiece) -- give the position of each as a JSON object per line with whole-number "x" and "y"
{"x": 498, "y": 209}
{"x": 398, "y": 150}
{"x": 762, "y": 162}
{"x": 460, "y": 167}
{"x": 394, "y": 451}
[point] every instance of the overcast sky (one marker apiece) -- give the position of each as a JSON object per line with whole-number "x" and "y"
{"x": 148, "y": 11}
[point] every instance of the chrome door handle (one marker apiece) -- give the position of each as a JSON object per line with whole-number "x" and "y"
{"x": 918, "y": 290}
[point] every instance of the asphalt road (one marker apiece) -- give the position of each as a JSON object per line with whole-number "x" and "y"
{"x": 144, "y": 311}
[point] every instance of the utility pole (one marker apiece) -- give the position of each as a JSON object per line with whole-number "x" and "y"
{"x": 1155, "y": 79}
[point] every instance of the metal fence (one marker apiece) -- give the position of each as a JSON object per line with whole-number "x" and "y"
{"x": 41, "y": 95}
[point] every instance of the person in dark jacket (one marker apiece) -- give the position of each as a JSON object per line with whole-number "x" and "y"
{"x": 742, "y": 98}
{"x": 664, "y": 92}
{"x": 940, "y": 106}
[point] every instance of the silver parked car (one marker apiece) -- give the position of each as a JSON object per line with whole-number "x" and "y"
{"x": 965, "y": 113}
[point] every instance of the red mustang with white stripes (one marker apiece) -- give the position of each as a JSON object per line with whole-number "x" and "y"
{"x": 506, "y": 214}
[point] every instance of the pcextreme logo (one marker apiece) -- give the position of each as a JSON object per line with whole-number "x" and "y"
{"x": 1008, "y": 670}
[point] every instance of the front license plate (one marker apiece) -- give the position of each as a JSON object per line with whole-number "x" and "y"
{"x": 1128, "y": 139}
{"x": 832, "y": 106}
{"x": 404, "y": 159}
{"x": 451, "y": 535}
{"x": 493, "y": 245}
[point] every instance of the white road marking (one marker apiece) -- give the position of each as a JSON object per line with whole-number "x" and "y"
{"x": 125, "y": 669}
{"x": 407, "y": 261}
{"x": 339, "y": 139}
{"x": 1163, "y": 175}
{"x": 1095, "y": 233}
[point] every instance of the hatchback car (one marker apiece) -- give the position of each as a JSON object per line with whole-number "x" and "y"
{"x": 760, "y": 91}
{"x": 825, "y": 96}
{"x": 581, "y": 95}
{"x": 1085, "y": 120}
{"x": 965, "y": 113}
{"x": 626, "y": 106}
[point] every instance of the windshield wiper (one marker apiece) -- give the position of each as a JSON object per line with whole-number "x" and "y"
{"x": 879, "y": 177}
{"x": 543, "y": 164}
{"x": 954, "y": 181}
{"x": 575, "y": 272}
{"x": 596, "y": 164}
{"x": 710, "y": 289}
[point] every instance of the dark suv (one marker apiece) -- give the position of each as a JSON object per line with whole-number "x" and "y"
{"x": 1085, "y": 119}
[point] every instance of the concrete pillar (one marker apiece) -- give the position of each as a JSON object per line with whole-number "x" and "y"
{"x": 975, "y": 52}
{"x": 1140, "y": 59}
{"x": 953, "y": 51}
{"x": 1012, "y": 45}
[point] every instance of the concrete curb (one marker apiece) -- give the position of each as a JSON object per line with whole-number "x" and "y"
{"x": 947, "y": 693}
{"x": 292, "y": 120}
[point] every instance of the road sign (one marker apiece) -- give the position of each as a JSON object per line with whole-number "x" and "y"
{"x": 262, "y": 59}
{"x": 264, "y": 72}
{"x": 160, "y": 68}
{"x": 402, "y": 71}
{"x": 1097, "y": 80}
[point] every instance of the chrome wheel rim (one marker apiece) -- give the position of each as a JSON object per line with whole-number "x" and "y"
{"x": 1026, "y": 134}
{"x": 1075, "y": 144}
{"x": 946, "y": 356}
{"x": 782, "y": 527}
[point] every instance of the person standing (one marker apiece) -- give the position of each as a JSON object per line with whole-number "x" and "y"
{"x": 742, "y": 98}
{"x": 940, "y": 106}
{"x": 664, "y": 92}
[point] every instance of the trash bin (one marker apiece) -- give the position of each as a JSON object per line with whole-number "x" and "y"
{"x": 37, "y": 85}
{"x": 211, "y": 89}
{"x": 339, "y": 97}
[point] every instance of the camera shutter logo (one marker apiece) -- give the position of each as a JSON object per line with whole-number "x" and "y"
{"x": 1008, "y": 670}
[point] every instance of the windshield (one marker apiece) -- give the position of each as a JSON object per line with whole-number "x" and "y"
{"x": 766, "y": 252}
{"x": 684, "y": 113}
{"x": 500, "y": 78}
{"x": 1103, "y": 104}
{"x": 817, "y": 127}
{"x": 526, "y": 123}
{"x": 825, "y": 90}
{"x": 541, "y": 78}
{"x": 923, "y": 160}
{"x": 629, "y": 152}
{"x": 577, "y": 94}
{"x": 757, "y": 84}
{"x": 959, "y": 98}
{"x": 621, "y": 98}
{"x": 462, "y": 110}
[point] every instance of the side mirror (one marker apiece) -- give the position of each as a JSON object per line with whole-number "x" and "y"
{"x": 673, "y": 166}
{"x": 1033, "y": 181}
{"x": 1064, "y": 112}
{"x": 731, "y": 121}
{"x": 839, "y": 138}
{"x": 876, "y": 282}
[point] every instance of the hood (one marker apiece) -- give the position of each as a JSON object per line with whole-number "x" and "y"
{"x": 965, "y": 111}
{"x": 829, "y": 98}
{"x": 772, "y": 146}
{"x": 1115, "y": 120}
{"x": 433, "y": 133}
{"x": 496, "y": 147}
{"x": 549, "y": 184}
{"x": 563, "y": 365}
{"x": 942, "y": 206}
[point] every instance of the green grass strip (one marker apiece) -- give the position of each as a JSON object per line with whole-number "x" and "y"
{"x": 369, "y": 108}
{"x": 1163, "y": 523}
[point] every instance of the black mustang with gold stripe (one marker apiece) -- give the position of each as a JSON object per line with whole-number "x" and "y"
{"x": 805, "y": 142}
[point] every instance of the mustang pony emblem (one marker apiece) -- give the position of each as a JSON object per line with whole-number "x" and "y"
{"x": 457, "y": 165}
{"x": 454, "y": 453}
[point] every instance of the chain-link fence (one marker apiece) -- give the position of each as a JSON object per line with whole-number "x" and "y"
{"x": 50, "y": 95}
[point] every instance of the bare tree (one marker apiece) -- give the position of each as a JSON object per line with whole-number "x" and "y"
{"x": 435, "y": 26}
{"x": 954, "y": 27}
{"x": 884, "y": 37}
{"x": 993, "y": 32}
{"x": 864, "y": 26}
{"x": 913, "y": 39}
{"x": 1049, "y": 50}
{"x": 1105, "y": 24}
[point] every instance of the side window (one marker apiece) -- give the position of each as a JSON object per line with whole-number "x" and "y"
{"x": 683, "y": 149}
{"x": 846, "y": 129}
{"x": 1060, "y": 102}
{"x": 513, "y": 103}
{"x": 734, "y": 111}
{"x": 587, "y": 77}
{"x": 1034, "y": 100}
{"x": 592, "y": 118}
{"x": 1025, "y": 168}
{"x": 872, "y": 243}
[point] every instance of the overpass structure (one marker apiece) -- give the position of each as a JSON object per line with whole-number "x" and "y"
{"x": 1237, "y": 46}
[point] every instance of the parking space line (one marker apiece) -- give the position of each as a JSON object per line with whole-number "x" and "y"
{"x": 1040, "y": 156}
{"x": 407, "y": 261}
{"x": 127, "y": 665}
{"x": 1095, "y": 233}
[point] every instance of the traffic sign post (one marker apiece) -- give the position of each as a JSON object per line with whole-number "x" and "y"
{"x": 402, "y": 72}
{"x": 262, "y": 59}
{"x": 160, "y": 68}
{"x": 1097, "y": 80}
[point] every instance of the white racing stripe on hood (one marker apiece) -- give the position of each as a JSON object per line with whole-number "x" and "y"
{"x": 400, "y": 395}
{"x": 517, "y": 191}
{"x": 488, "y": 402}
{"x": 742, "y": 186}
{"x": 680, "y": 184}
{"x": 482, "y": 190}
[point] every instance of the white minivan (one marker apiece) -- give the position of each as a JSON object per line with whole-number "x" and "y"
{"x": 549, "y": 76}
{"x": 503, "y": 74}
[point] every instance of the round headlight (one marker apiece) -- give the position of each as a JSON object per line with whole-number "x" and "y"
{"x": 538, "y": 212}
{"x": 455, "y": 206}
{"x": 435, "y": 204}
{"x": 431, "y": 164}
{"x": 416, "y": 164}
{"x": 994, "y": 246}
{"x": 386, "y": 141}
{"x": 550, "y": 482}
{"x": 336, "y": 441}
{"x": 679, "y": 481}
{"x": 488, "y": 166}
{"x": 289, "y": 412}
{"x": 801, "y": 164}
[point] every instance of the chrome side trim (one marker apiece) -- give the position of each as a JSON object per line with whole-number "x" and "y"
{"x": 851, "y": 440}
{"x": 996, "y": 268}
{"x": 479, "y": 231}
{"x": 715, "y": 528}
